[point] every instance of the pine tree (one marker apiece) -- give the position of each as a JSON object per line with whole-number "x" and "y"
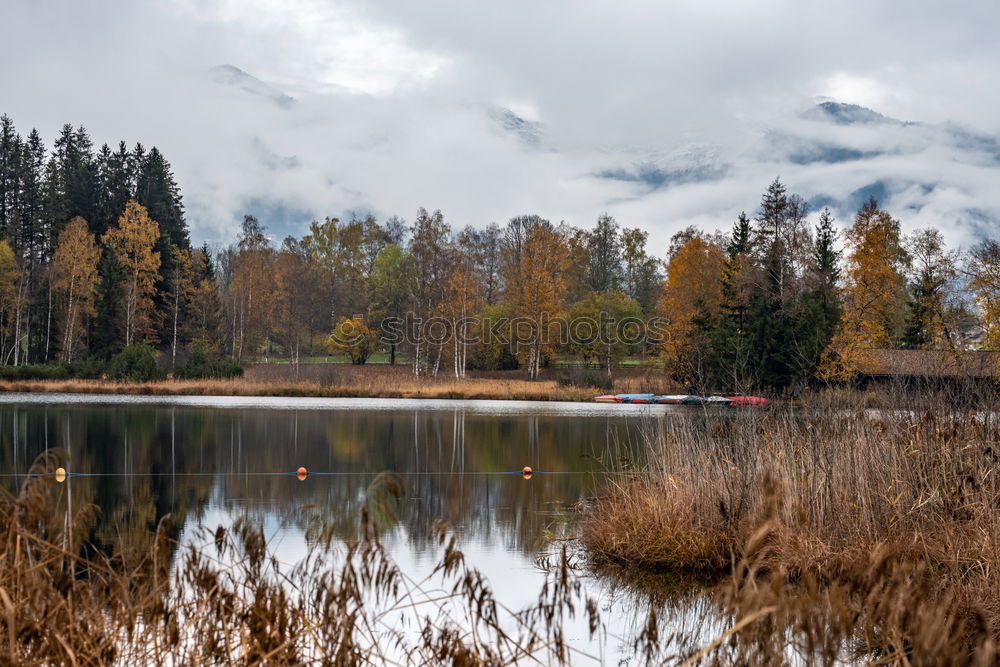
{"x": 108, "y": 332}
{"x": 817, "y": 311}
{"x": 157, "y": 190}
{"x": 10, "y": 167}
{"x": 741, "y": 238}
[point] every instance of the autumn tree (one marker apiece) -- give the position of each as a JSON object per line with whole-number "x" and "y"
{"x": 354, "y": 339}
{"x": 463, "y": 300}
{"x": 691, "y": 302}
{"x": 535, "y": 288}
{"x": 301, "y": 310}
{"x": 252, "y": 299}
{"x": 132, "y": 242}
{"x": 605, "y": 327}
{"x": 390, "y": 288}
{"x": 983, "y": 281}
{"x": 429, "y": 261}
{"x": 10, "y": 275}
{"x": 874, "y": 293}
{"x": 180, "y": 286}
{"x": 75, "y": 279}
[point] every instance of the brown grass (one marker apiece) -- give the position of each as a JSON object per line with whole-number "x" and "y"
{"x": 228, "y": 601}
{"x": 835, "y": 529}
{"x": 343, "y": 381}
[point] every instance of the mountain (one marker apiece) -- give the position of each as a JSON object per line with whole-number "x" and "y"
{"x": 230, "y": 75}
{"x": 527, "y": 131}
{"x": 847, "y": 114}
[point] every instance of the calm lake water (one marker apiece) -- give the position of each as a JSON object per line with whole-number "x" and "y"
{"x": 209, "y": 460}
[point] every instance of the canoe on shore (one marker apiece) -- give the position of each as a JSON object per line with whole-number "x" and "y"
{"x": 682, "y": 399}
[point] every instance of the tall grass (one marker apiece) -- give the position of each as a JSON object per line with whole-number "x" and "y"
{"x": 343, "y": 380}
{"x": 875, "y": 533}
{"x": 227, "y": 600}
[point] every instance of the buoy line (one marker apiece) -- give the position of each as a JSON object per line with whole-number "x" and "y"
{"x": 60, "y": 474}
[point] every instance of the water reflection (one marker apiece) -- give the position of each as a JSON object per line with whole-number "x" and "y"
{"x": 411, "y": 467}
{"x": 140, "y": 462}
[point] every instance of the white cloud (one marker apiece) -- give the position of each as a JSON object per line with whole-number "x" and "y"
{"x": 394, "y": 105}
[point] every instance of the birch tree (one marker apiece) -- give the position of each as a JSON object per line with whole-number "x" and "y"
{"x": 132, "y": 242}
{"x": 74, "y": 278}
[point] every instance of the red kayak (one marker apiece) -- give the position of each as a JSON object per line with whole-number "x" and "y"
{"x": 747, "y": 400}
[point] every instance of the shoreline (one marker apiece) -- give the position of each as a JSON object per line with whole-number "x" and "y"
{"x": 471, "y": 406}
{"x": 491, "y": 390}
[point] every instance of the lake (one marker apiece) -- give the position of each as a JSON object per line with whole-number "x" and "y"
{"x": 208, "y": 460}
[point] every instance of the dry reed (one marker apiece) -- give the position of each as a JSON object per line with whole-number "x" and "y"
{"x": 229, "y": 601}
{"x": 344, "y": 381}
{"x": 838, "y": 534}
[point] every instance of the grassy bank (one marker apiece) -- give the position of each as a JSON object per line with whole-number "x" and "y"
{"x": 876, "y": 530}
{"x": 344, "y": 380}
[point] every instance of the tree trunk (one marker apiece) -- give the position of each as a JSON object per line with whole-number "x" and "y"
{"x": 48, "y": 325}
{"x": 173, "y": 346}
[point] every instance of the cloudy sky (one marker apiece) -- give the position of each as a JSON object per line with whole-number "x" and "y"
{"x": 662, "y": 114}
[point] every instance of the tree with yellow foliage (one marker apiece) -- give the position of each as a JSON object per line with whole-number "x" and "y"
{"x": 74, "y": 277}
{"x": 354, "y": 339}
{"x": 692, "y": 299}
{"x": 10, "y": 276}
{"x": 536, "y": 289}
{"x": 132, "y": 243}
{"x": 983, "y": 269}
{"x": 874, "y": 293}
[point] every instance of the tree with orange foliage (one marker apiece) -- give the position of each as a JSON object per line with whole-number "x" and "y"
{"x": 692, "y": 300}
{"x": 536, "y": 290}
{"x": 132, "y": 244}
{"x": 874, "y": 293}
{"x": 74, "y": 276}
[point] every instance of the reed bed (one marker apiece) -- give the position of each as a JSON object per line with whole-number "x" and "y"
{"x": 836, "y": 535}
{"x": 227, "y": 600}
{"x": 345, "y": 381}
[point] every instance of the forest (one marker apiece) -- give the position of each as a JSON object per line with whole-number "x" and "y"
{"x": 97, "y": 272}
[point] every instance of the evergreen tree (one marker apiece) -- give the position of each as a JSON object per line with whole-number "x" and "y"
{"x": 740, "y": 240}
{"x": 10, "y": 166}
{"x": 818, "y": 309}
{"x": 106, "y": 338}
{"x": 32, "y": 205}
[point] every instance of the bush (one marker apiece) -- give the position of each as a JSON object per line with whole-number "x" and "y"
{"x": 201, "y": 364}
{"x": 35, "y": 372}
{"x": 135, "y": 363}
{"x": 585, "y": 377}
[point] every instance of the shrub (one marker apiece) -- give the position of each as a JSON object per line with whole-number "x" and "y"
{"x": 135, "y": 363}
{"x": 35, "y": 372}
{"x": 201, "y": 364}
{"x": 585, "y": 377}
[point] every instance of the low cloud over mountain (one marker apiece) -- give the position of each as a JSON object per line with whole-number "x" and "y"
{"x": 314, "y": 109}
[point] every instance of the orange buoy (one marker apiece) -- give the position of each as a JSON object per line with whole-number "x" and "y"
{"x": 526, "y": 472}
{"x": 301, "y": 473}
{"x": 60, "y": 474}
